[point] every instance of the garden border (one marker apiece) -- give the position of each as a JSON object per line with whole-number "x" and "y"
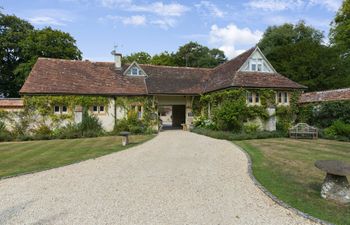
{"x": 273, "y": 197}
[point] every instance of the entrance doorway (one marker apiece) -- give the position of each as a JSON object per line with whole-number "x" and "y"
{"x": 172, "y": 116}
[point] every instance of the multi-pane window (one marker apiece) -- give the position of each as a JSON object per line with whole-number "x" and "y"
{"x": 98, "y": 109}
{"x": 282, "y": 97}
{"x": 250, "y": 97}
{"x": 134, "y": 71}
{"x": 253, "y": 98}
{"x": 60, "y": 109}
{"x": 257, "y": 98}
{"x": 285, "y": 97}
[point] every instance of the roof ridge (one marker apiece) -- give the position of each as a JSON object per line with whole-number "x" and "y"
{"x": 328, "y": 91}
{"x": 175, "y": 67}
{"x": 235, "y": 57}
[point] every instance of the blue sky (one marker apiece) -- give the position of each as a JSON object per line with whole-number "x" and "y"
{"x": 161, "y": 25}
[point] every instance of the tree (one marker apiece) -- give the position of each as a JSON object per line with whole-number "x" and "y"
{"x": 164, "y": 58}
{"x": 21, "y": 45}
{"x": 339, "y": 34}
{"x": 193, "y": 54}
{"x": 47, "y": 43}
{"x": 12, "y": 31}
{"x": 297, "y": 51}
{"x": 139, "y": 57}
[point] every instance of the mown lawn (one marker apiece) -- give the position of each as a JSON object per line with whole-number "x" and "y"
{"x": 31, "y": 156}
{"x": 286, "y": 168}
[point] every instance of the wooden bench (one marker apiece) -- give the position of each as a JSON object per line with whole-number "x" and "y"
{"x": 303, "y": 130}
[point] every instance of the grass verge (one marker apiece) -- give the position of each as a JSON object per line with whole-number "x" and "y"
{"x": 31, "y": 156}
{"x": 286, "y": 168}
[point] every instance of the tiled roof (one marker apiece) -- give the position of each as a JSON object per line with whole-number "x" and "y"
{"x": 11, "y": 103}
{"x": 175, "y": 80}
{"x": 323, "y": 96}
{"x": 56, "y": 76}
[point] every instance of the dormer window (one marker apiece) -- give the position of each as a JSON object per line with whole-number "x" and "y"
{"x": 134, "y": 70}
{"x": 257, "y": 62}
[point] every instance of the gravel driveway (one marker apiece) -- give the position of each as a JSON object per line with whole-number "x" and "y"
{"x": 176, "y": 178}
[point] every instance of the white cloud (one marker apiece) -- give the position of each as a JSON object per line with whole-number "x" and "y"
{"x": 164, "y": 23}
{"x": 49, "y": 17}
{"x": 331, "y": 5}
{"x": 280, "y": 5}
{"x": 206, "y": 7}
{"x": 275, "y": 5}
{"x": 134, "y": 20}
{"x": 232, "y": 39}
{"x": 45, "y": 20}
{"x": 158, "y": 8}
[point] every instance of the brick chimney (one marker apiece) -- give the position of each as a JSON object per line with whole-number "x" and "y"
{"x": 117, "y": 60}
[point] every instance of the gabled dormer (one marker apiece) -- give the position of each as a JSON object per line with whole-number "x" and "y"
{"x": 134, "y": 70}
{"x": 257, "y": 62}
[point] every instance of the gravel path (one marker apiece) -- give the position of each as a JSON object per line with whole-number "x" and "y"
{"x": 176, "y": 178}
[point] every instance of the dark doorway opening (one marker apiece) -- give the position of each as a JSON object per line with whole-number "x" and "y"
{"x": 172, "y": 116}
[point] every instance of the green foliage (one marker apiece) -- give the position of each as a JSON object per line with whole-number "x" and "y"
{"x": 230, "y": 110}
{"x": 324, "y": 114}
{"x": 191, "y": 54}
{"x": 227, "y": 135}
{"x": 13, "y": 30}
{"x": 90, "y": 126}
{"x": 338, "y": 128}
{"x": 20, "y": 47}
{"x": 297, "y": 51}
{"x": 284, "y": 118}
{"x": 164, "y": 58}
{"x": 251, "y": 128}
{"x": 131, "y": 124}
{"x": 139, "y": 57}
{"x": 339, "y": 33}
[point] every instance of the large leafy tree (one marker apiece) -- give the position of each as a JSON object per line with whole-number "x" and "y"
{"x": 47, "y": 43}
{"x": 13, "y": 30}
{"x": 340, "y": 30}
{"x": 21, "y": 45}
{"x": 164, "y": 58}
{"x": 193, "y": 54}
{"x": 139, "y": 57}
{"x": 297, "y": 51}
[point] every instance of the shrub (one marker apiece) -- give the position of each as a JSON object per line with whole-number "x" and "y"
{"x": 71, "y": 130}
{"x": 251, "y": 128}
{"x": 338, "y": 128}
{"x": 204, "y": 123}
{"x": 226, "y": 135}
{"x": 131, "y": 124}
{"x": 90, "y": 126}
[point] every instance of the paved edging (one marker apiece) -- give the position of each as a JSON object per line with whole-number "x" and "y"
{"x": 273, "y": 197}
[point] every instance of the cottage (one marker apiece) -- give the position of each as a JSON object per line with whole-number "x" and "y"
{"x": 162, "y": 86}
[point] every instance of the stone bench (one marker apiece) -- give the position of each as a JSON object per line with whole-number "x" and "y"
{"x": 335, "y": 186}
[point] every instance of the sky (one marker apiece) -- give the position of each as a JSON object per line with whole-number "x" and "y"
{"x": 155, "y": 26}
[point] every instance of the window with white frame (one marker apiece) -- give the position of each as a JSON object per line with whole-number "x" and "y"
{"x": 250, "y": 97}
{"x": 256, "y": 65}
{"x": 282, "y": 97}
{"x": 60, "y": 109}
{"x": 253, "y": 98}
{"x": 98, "y": 109}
